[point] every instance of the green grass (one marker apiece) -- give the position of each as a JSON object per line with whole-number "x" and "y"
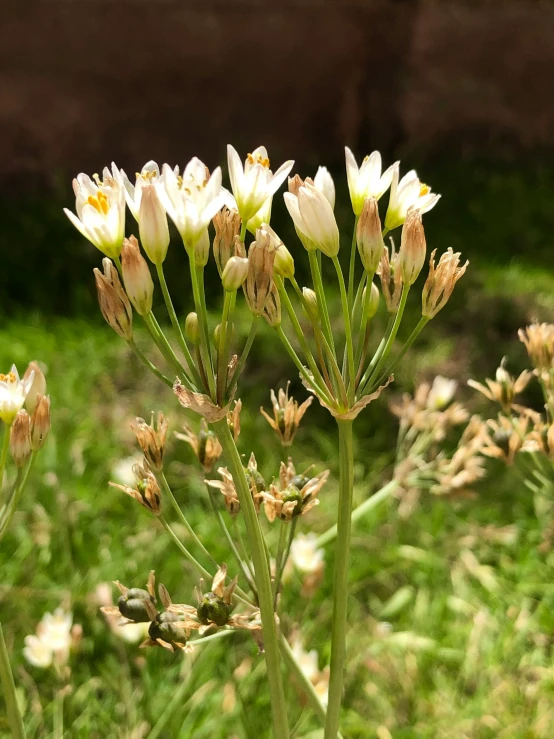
{"x": 438, "y": 647}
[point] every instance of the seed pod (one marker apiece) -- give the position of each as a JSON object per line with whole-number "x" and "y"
{"x": 272, "y": 307}
{"x": 292, "y": 494}
{"x": 132, "y": 605}
{"x": 298, "y": 481}
{"x": 259, "y": 279}
{"x": 163, "y": 628}
{"x": 369, "y": 236}
{"x": 413, "y": 247}
{"x": 212, "y": 609}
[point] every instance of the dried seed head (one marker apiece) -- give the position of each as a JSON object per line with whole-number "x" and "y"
{"x": 391, "y": 280}
{"x": 504, "y": 389}
{"x": 539, "y": 342}
{"x": 234, "y": 273}
{"x": 441, "y": 282}
{"x": 113, "y": 300}
{"x": 40, "y": 422}
{"x": 147, "y": 491}
{"x": 227, "y": 227}
{"x": 259, "y": 280}
{"x": 272, "y": 307}
{"x": 192, "y": 331}
{"x": 227, "y": 488}
{"x": 205, "y": 444}
{"x": 136, "y": 276}
{"x": 287, "y": 415}
{"x": 369, "y": 236}
{"x": 20, "y": 438}
{"x": 152, "y": 440}
{"x": 412, "y": 247}
{"x": 38, "y": 386}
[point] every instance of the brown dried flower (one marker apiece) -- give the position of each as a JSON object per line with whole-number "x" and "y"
{"x": 287, "y": 414}
{"x": 504, "y": 389}
{"x": 441, "y": 281}
{"x": 227, "y": 487}
{"x": 152, "y": 440}
{"x": 113, "y": 300}
{"x": 147, "y": 491}
{"x": 205, "y": 444}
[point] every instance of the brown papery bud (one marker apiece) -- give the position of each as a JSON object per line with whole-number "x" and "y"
{"x": 295, "y": 183}
{"x": 20, "y": 438}
{"x": 413, "y": 247}
{"x": 137, "y": 277}
{"x": 272, "y": 307}
{"x": 369, "y": 236}
{"x": 441, "y": 282}
{"x": 152, "y": 440}
{"x": 227, "y": 227}
{"x": 391, "y": 281}
{"x": 261, "y": 257}
{"x": 40, "y": 422}
{"x": 37, "y": 388}
{"x": 113, "y": 300}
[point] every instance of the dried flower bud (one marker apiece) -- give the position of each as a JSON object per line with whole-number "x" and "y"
{"x": 234, "y": 273}
{"x": 373, "y": 300}
{"x": 310, "y": 306}
{"x": 152, "y": 440}
{"x": 412, "y": 247}
{"x": 20, "y": 438}
{"x": 227, "y": 227}
{"x": 227, "y": 489}
{"x": 192, "y": 331}
{"x": 441, "y": 282}
{"x": 259, "y": 279}
{"x": 369, "y": 236}
{"x": 284, "y": 262}
{"x": 205, "y": 444}
{"x": 40, "y": 422}
{"x": 287, "y": 414}
{"x": 272, "y": 307}
{"x": 137, "y": 277}
{"x": 240, "y": 248}
{"x": 38, "y": 386}
{"x": 147, "y": 491}
{"x": 153, "y": 228}
{"x": 391, "y": 281}
{"x": 202, "y": 249}
{"x": 113, "y": 300}
{"x": 233, "y": 419}
{"x": 539, "y": 342}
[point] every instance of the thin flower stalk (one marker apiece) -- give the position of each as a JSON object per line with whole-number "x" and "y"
{"x": 148, "y": 364}
{"x": 352, "y": 266}
{"x": 348, "y": 331}
{"x": 322, "y": 302}
{"x": 303, "y": 371}
{"x": 11, "y": 507}
{"x": 15, "y": 719}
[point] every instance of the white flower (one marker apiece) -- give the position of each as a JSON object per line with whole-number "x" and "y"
{"x": 13, "y": 392}
{"x": 191, "y": 201}
{"x": 324, "y": 183}
{"x": 131, "y": 632}
{"x": 367, "y": 181}
{"x": 37, "y": 652}
{"x": 149, "y": 175}
{"x": 122, "y": 470}
{"x": 314, "y": 219}
{"x": 405, "y": 194}
{"x": 100, "y": 207}
{"x": 441, "y": 393}
{"x": 55, "y": 630}
{"x": 307, "y": 661}
{"x": 253, "y": 182}
{"x": 260, "y": 217}
{"x": 305, "y": 554}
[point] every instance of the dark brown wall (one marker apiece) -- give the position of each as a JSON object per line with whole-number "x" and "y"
{"x": 82, "y": 82}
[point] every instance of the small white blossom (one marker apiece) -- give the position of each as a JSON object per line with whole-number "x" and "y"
{"x": 367, "y": 181}
{"x": 324, "y": 183}
{"x": 52, "y": 641}
{"x": 441, "y": 393}
{"x": 405, "y": 194}
{"x": 314, "y": 219}
{"x": 13, "y": 392}
{"x": 148, "y": 175}
{"x": 100, "y": 206}
{"x": 253, "y": 183}
{"x": 304, "y": 553}
{"x": 37, "y": 652}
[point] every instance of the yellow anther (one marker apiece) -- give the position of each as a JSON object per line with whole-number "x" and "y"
{"x": 10, "y": 377}
{"x": 258, "y": 159}
{"x": 423, "y": 189}
{"x": 99, "y": 203}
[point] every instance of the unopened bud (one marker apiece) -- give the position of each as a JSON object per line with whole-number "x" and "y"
{"x": 40, "y": 422}
{"x": 413, "y": 248}
{"x": 38, "y": 386}
{"x": 259, "y": 279}
{"x": 153, "y": 228}
{"x": 113, "y": 301}
{"x": 192, "y": 331}
{"x": 227, "y": 227}
{"x": 234, "y": 273}
{"x": 217, "y": 336}
{"x": 373, "y": 300}
{"x": 137, "y": 277}
{"x": 20, "y": 438}
{"x": 284, "y": 262}
{"x": 310, "y": 305}
{"x": 152, "y": 440}
{"x": 272, "y": 307}
{"x": 202, "y": 249}
{"x": 369, "y": 236}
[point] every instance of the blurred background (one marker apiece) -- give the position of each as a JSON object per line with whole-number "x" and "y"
{"x": 461, "y": 91}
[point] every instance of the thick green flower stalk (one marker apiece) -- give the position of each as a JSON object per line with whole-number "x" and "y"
{"x": 339, "y": 362}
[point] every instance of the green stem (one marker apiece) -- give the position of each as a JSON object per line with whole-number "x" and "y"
{"x": 242, "y": 548}
{"x": 200, "y": 306}
{"x": 147, "y": 363}
{"x": 294, "y": 356}
{"x": 58, "y": 715}
{"x": 263, "y": 581}
{"x": 182, "y": 548}
{"x": 340, "y": 581}
{"x": 364, "y": 321}
{"x": 223, "y": 349}
{"x": 21, "y": 479}
{"x": 15, "y": 719}
{"x": 245, "y": 352}
{"x": 351, "y": 270}
{"x": 321, "y": 301}
{"x": 348, "y": 331}
{"x": 360, "y": 511}
{"x": 283, "y": 562}
{"x": 278, "y": 558}
{"x": 390, "y": 340}
{"x": 4, "y": 453}
{"x": 293, "y": 666}
{"x": 423, "y": 321}
{"x": 377, "y": 355}
{"x": 176, "y": 325}
{"x": 165, "y": 348}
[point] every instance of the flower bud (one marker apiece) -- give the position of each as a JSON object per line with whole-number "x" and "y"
{"x": 38, "y": 386}
{"x": 284, "y": 262}
{"x": 234, "y": 273}
{"x": 272, "y": 307}
{"x": 20, "y": 438}
{"x": 217, "y": 336}
{"x": 310, "y": 305}
{"x": 113, "y": 301}
{"x": 413, "y": 248}
{"x": 40, "y": 422}
{"x": 153, "y": 228}
{"x": 202, "y": 249}
{"x": 259, "y": 279}
{"x": 192, "y": 331}
{"x": 369, "y": 236}
{"x": 227, "y": 227}
{"x": 373, "y": 300}
{"x": 137, "y": 277}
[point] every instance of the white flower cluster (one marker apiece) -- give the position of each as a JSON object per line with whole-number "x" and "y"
{"x": 51, "y": 643}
